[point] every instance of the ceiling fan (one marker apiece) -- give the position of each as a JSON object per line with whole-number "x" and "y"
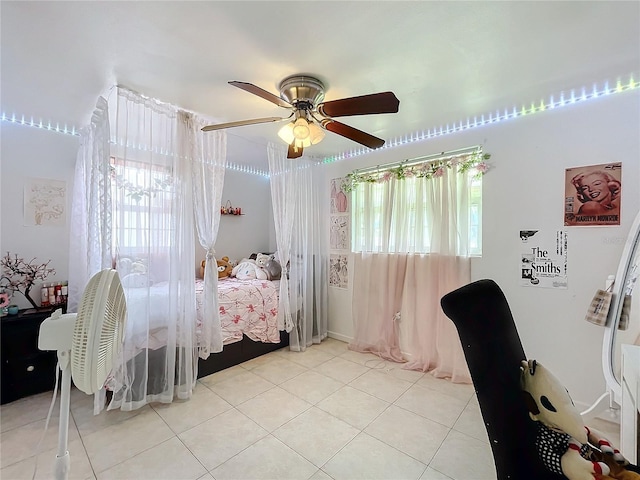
{"x": 304, "y": 95}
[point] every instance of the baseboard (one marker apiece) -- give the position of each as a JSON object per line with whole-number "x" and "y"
{"x": 339, "y": 336}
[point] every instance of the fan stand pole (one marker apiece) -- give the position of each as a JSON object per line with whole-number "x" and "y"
{"x": 63, "y": 461}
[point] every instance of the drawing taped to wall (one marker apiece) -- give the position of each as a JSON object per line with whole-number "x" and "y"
{"x": 340, "y": 201}
{"x": 543, "y": 259}
{"x": 338, "y": 271}
{"x": 45, "y": 202}
{"x": 592, "y": 195}
{"x": 339, "y": 235}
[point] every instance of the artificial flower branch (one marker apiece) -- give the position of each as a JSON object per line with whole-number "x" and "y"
{"x": 428, "y": 169}
{"x": 20, "y": 276}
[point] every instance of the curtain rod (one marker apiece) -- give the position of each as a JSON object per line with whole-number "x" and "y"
{"x": 416, "y": 160}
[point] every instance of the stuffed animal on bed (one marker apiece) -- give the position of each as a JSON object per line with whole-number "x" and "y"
{"x": 270, "y": 265}
{"x": 565, "y": 444}
{"x": 262, "y": 259}
{"x": 248, "y": 270}
{"x": 224, "y": 267}
{"x": 273, "y": 270}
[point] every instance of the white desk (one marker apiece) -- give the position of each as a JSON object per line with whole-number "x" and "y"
{"x": 630, "y": 412}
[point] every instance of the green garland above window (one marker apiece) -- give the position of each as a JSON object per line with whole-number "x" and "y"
{"x": 432, "y": 166}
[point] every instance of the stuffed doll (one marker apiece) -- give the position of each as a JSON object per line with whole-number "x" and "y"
{"x": 262, "y": 259}
{"x": 224, "y": 267}
{"x": 564, "y": 442}
{"x": 270, "y": 266}
{"x": 247, "y": 270}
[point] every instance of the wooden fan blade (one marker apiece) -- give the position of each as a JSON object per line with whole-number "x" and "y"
{"x": 251, "y": 88}
{"x": 240, "y": 123}
{"x": 293, "y": 151}
{"x": 385, "y": 102}
{"x": 351, "y": 133}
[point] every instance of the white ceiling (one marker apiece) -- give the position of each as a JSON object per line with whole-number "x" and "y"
{"x": 445, "y": 61}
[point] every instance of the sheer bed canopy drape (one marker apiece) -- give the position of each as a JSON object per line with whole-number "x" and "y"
{"x": 300, "y": 209}
{"x": 411, "y": 238}
{"x": 139, "y": 196}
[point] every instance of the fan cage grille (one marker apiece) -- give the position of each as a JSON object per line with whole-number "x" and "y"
{"x": 98, "y": 331}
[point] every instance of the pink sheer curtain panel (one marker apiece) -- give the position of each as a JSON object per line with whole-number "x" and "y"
{"x": 377, "y": 295}
{"x": 434, "y": 344}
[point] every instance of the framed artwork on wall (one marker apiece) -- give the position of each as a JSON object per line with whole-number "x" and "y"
{"x": 593, "y": 194}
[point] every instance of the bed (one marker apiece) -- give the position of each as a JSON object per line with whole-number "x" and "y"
{"x": 248, "y": 311}
{"x": 248, "y": 316}
{"x": 248, "y": 307}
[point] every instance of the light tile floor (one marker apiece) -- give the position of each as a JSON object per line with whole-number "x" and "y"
{"x": 327, "y": 413}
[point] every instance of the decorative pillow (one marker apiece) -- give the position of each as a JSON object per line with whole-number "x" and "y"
{"x": 135, "y": 280}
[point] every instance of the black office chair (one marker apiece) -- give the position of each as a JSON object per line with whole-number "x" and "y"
{"x": 493, "y": 352}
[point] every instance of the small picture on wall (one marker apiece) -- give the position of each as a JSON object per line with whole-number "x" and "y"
{"x": 543, "y": 259}
{"x": 339, "y": 237}
{"x": 339, "y": 198}
{"x": 45, "y": 202}
{"x": 593, "y": 194}
{"x": 338, "y": 271}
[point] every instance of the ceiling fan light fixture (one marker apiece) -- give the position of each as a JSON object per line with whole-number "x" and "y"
{"x": 301, "y": 129}
{"x": 304, "y": 143}
{"x": 301, "y": 133}
{"x": 286, "y": 133}
{"x": 316, "y": 134}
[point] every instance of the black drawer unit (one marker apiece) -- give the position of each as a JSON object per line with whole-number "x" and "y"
{"x": 25, "y": 369}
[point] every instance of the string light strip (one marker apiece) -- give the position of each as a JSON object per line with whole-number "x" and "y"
{"x": 163, "y": 151}
{"x": 563, "y": 101}
{"x": 246, "y": 169}
{"x": 40, "y": 124}
{"x": 75, "y": 132}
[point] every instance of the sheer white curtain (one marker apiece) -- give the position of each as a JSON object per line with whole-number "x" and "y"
{"x": 308, "y": 261}
{"x": 208, "y": 153}
{"x": 300, "y": 208}
{"x": 413, "y": 238}
{"x": 90, "y": 232}
{"x": 155, "y": 247}
{"x": 283, "y": 204}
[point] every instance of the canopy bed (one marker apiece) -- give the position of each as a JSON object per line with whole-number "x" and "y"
{"x": 148, "y": 183}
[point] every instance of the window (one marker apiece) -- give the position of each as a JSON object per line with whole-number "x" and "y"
{"x": 433, "y": 207}
{"x": 475, "y": 216}
{"x": 142, "y": 206}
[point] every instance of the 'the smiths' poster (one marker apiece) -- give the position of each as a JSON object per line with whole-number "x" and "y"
{"x": 592, "y": 195}
{"x": 543, "y": 258}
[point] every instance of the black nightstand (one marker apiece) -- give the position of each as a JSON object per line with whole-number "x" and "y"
{"x": 25, "y": 369}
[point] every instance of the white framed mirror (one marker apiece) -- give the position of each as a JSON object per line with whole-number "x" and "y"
{"x": 625, "y": 281}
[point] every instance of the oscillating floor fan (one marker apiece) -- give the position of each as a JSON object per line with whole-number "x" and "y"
{"x": 87, "y": 343}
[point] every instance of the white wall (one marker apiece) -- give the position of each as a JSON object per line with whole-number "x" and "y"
{"x": 240, "y": 236}
{"x": 28, "y": 152}
{"x": 525, "y": 190}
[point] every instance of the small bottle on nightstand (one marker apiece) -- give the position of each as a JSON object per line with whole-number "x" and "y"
{"x": 44, "y": 296}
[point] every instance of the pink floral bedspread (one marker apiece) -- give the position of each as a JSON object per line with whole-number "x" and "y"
{"x": 247, "y": 307}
